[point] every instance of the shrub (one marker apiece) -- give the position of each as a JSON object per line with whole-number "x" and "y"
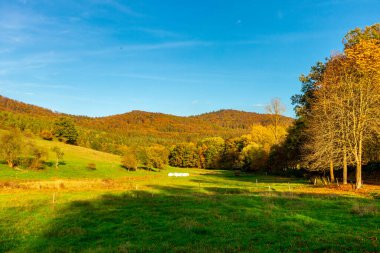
{"x": 38, "y": 156}
{"x": 91, "y": 166}
{"x": 129, "y": 161}
{"x": 46, "y": 135}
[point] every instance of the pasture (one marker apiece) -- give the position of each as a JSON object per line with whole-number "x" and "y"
{"x": 209, "y": 211}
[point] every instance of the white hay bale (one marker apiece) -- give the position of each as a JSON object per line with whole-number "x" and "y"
{"x": 176, "y": 174}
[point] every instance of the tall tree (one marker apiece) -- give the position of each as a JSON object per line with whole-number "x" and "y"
{"x": 345, "y": 104}
{"x": 302, "y": 105}
{"x": 320, "y": 149}
{"x": 364, "y": 94}
{"x": 276, "y": 109}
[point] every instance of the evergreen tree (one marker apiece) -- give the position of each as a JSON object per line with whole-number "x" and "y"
{"x": 65, "y": 131}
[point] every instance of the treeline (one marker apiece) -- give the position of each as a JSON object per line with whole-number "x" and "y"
{"x": 135, "y": 129}
{"x": 250, "y": 152}
{"x": 338, "y": 111}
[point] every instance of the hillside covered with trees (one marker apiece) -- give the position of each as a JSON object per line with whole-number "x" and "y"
{"x": 136, "y": 128}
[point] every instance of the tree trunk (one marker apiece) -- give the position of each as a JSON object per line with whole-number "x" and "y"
{"x": 359, "y": 166}
{"x": 56, "y": 163}
{"x": 332, "y": 178}
{"x": 358, "y": 175}
{"x": 344, "y": 165}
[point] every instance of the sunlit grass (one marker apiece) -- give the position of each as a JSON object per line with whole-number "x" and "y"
{"x": 210, "y": 211}
{"x": 73, "y": 209}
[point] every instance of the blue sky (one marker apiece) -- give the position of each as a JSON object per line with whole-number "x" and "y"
{"x": 102, "y": 57}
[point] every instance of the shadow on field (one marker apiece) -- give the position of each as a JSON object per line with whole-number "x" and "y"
{"x": 247, "y": 177}
{"x": 182, "y": 220}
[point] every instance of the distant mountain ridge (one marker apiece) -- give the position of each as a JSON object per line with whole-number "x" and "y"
{"x": 228, "y": 118}
{"x": 140, "y": 127}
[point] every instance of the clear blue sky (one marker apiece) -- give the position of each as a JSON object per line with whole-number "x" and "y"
{"x": 102, "y": 57}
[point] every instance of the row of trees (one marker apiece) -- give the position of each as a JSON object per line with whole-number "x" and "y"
{"x": 17, "y": 152}
{"x": 339, "y": 109}
{"x": 149, "y": 157}
{"x": 249, "y": 152}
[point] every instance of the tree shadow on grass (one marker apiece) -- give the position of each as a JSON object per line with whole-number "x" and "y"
{"x": 179, "y": 219}
{"x": 248, "y": 177}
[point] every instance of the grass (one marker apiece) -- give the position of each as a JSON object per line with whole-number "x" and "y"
{"x": 76, "y": 161}
{"x": 74, "y": 209}
{"x": 213, "y": 211}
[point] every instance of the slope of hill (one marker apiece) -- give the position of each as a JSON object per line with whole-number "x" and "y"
{"x": 75, "y": 162}
{"x": 234, "y": 119}
{"x": 10, "y": 105}
{"x": 135, "y": 128}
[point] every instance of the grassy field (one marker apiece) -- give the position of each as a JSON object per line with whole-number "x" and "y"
{"x": 75, "y": 159}
{"x": 73, "y": 209}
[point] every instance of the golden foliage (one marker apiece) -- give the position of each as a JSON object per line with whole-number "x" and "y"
{"x": 365, "y": 55}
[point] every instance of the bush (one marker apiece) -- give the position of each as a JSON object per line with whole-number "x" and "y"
{"x": 46, "y": 135}
{"x": 91, "y": 166}
{"x": 24, "y": 162}
{"x": 129, "y": 161}
{"x": 38, "y": 156}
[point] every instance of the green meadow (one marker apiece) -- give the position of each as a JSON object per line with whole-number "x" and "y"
{"x": 74, "y": 209}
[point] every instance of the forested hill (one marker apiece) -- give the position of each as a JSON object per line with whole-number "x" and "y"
{"x": 10, "y": 105}
{"x": 234, "y": 119}
{"x": 136, "y": 127}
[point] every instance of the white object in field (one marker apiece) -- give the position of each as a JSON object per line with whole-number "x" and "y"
{"x": 175, "y": 174}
